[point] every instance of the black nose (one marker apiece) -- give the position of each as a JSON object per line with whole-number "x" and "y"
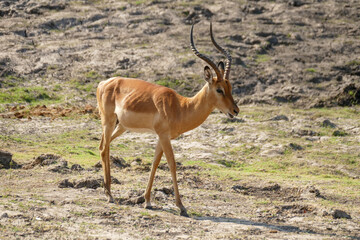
{"x": 236, "y": 113}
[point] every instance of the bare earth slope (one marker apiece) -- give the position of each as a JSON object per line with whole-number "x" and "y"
{"x": 300, "y": 51}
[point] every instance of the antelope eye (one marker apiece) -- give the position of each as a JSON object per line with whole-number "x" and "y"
{"x": 220, "y": 91}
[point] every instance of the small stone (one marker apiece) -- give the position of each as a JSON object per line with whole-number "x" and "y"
{"x": 272, "y": 40}
{"x": 232, "y": 120}
{"x": 136, "y": 162}
{"x": 340, "y": 214}
{"x": 339, "y": 133}
{"x": 295, "y": 147}
{"x": 273, "y": 187}
{"x": 166, "y": 190}
{"x": 279, "y": 118}
{"x": 98, "y": 165}
{"x": 296, "y": 3}
{"x": 76, "y": 167}
{"x": 118, "y": 162}
{"x": 4, "y": 215}
{"x": 66, "y": 184}
{"x": 327, "y": 123}
{"x": 6, "y": 161}
{"x": 113, "y": 180}
{"x": 88, "y": 183}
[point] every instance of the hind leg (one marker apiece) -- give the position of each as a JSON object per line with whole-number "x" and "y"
{"x": 117, "y": 132}
{"x": 108, "y": 124}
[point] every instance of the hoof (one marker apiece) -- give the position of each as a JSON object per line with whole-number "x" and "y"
{"x": 184, "y": 213}
{"x": 149, "y": 207}
{"x": 110, "y": 200}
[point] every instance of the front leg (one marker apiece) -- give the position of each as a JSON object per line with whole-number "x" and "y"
{"x": 157, "y": 158}
{"x": 167, "y": 148}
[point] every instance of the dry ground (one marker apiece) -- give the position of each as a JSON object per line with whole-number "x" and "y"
{"x": 274, "y": 173}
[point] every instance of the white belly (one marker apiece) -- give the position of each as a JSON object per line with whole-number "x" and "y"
{"x": 140, "y": 130}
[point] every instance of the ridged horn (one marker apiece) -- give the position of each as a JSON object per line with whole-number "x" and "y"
{"x": 223, "y": 51}
{"x": 204, "y": 57}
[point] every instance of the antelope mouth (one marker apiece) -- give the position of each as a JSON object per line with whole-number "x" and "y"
{"x": 230, "y": 115}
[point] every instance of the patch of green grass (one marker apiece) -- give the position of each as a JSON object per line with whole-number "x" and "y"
{"x": 145, "y": 213}
{"x": 27, "y": 95}
{"x": 311, "y": 70}
{"x": 84, "y": 86}
{"x": 93, "y": 75}
{"x": 10, "y": 81}
{"x": 193, "y": 213}
{"x": 229, "y": 163}
{"x": 139, "y": 2}
{"x": 168, "y": 82}
{"x": 355, "y": 62}
{"x": 57, "y": 88}
{"x": 261, "y": 58}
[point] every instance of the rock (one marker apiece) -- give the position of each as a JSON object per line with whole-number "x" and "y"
{"x": 273, "y": 187}
{"x": 136, "y": 162}
{"x": 296, "y": 36}
{"x": 62, "y": 167}
{"x": 118, "y": 162}
{"x": 41, "y": 8}
{"x": 125, "y": 63}
{"x": 166, "y": 190}
{"x": 253, "y": 9}
{"x": 272, "y": 40}
{"x": 236, "y": 38}
{"x": 98, "y": 165}
{"x": 135, "y": 200}
{"x": 197, "y": 13}
{"x": 43, "y": 160}
{"x": 316, "y": 192}
{"x": 327, "y": 123}
{"x": 88, "y": 183}
{"x": 232, "y": 120}
{"x": 340, "y": 214}
{"x": 239, "y": 188}
{"x": 66, "y": 184}
{"x": 77, "y": 167}
{"x": 6, "y": 161}
{"x": 295, "y": 3}
{"x": 160, "y": 196}
{"x": 269, "y": 150}
{"x": 279, "y": 118}
{"x": 295, "y": 147}
{"x": 304, "y": 132}
{"x": 4, "y": 215}
{"x": 114, "y": 180}
{"x": 339, "y": 133}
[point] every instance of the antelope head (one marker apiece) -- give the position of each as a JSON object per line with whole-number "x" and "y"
{"x": 220, "y": 89}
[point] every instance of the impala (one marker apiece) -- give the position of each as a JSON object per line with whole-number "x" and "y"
{"x": 140, "y": 106}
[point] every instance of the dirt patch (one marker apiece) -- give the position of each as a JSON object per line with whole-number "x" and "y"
{"x": 345, "y": 96}
{"x": 85, "y": 183}
{"x": 43, "y": 160}
{"x": 52, "y": 112}
{"x": 275, "y": 191}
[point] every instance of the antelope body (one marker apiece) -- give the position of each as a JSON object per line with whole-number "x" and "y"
{"x": 137, "y": 105}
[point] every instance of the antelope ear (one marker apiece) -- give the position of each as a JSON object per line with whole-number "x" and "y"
{"x": 221, "y": 67}
{"x": 208, "y": 75}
